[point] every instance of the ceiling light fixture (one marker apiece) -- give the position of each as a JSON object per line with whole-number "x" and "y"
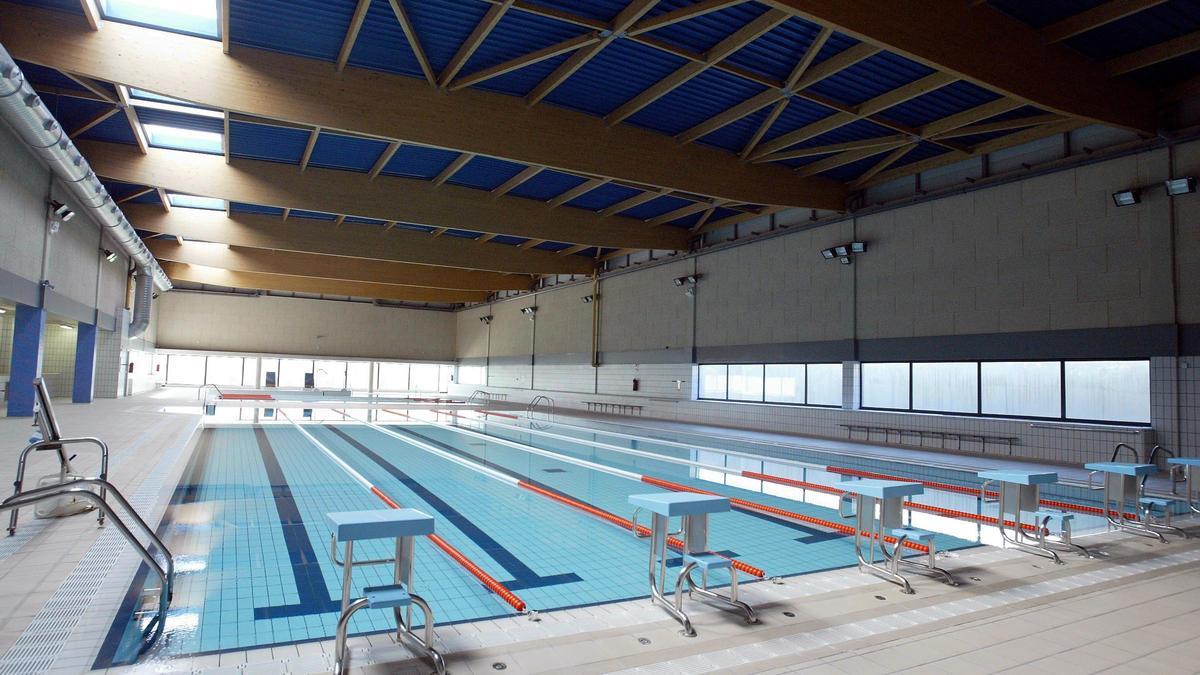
{"x": 109, "y": 255}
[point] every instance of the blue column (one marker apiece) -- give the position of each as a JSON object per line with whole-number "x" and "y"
{"x": 29, "y": 329}
{"x": 85, "y": 363}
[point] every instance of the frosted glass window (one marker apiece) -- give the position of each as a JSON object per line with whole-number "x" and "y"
{"x": 1115, "y": 391}
{"x": 249, "y": 371}
{"x": 392, "y": 377}
{"x": 945, "y": 387}
{"x": 292, "y": 372}
{"x": 445, "y": 377}
{"x": 1021, "y": 388}
{"x": 470, "y": 374}
{"x": 269, "y": 366}
{"x": 224, "y": 370}
{"x": 198, "y": 17}
{"x": 713, "y": 382}
{"x": 330, "y": 374}
{"x": 784, "y": 383}
{"x": 185, "y": 369}
{"x": 746, "y": 383}
{"x": 885, "y": 385}
{"x": 424, "y": 377}
{"x": 825, "y": 384}
{"x": 358, "y": 376}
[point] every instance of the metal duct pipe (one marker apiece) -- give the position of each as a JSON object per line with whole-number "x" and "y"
{"x": 24, "y": 111}
{"x": 143, "y": 295}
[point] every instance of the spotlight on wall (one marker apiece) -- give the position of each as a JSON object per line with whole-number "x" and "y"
{"x": 530, "y": 312}
{"x": 65, "y": 326}
{"x": 827, "y": 254}
{"x": 1180, "y": 186}
{"x": 1127, "y": 197}
{"x": 109, "y": 255}
{"x": 844, "y": 252}
{"x": 689, "y": 280}
{"x": 3, "y": 311}
{"x": 858, "y": 247}
{"x": 62, "y": 211}
{"x": 487, "y": 320}
{"x": 588, "y": 299}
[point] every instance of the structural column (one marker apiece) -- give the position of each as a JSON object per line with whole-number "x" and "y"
{"x": 85, "y": 363}
{"x": 29, "y": 333}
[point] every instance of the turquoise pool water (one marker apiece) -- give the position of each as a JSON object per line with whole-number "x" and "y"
{"x": 247, "y": 527}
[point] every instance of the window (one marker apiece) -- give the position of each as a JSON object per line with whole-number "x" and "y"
{"x": 1108, "y": 390}
{"x": 885, "y": 385}
{"x": 745, "y": 383}
{"x": 824, "y": 384}
{"x": 249, "y": 371}
{"x": 175, "y": 138}
{"x": 292, "y": 372}
{"x": 1021, "y": 388}
{"x": 330, "y": 374}
{"x": 713, "y": 381}
{"x": 392, "y": 377}
{"x": 224, "y": 370}
{"x": 471, "y": 374}
{"x": 784, "y": 383}
{"x": 424, "y": 377}
{"x": 946, "y": 387}
{"x": 185, "y": 369}
{"x": 358, "y": 376}
{"x": 196, "y": 17}
{"x": 194, "y": 202}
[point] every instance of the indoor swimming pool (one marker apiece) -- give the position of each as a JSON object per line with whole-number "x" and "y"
{"x": 247, "y": 520}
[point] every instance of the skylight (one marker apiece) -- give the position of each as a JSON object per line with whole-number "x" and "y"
{"x": 144, "y": 95}
{"x": 196, "y": 17}
{"x": 194, "y": 202}
{"x": 176, "y": 138}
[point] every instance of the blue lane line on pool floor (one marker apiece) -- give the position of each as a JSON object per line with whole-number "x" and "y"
{"x": 306, "y": 569}
{"x": 522, "y": 576}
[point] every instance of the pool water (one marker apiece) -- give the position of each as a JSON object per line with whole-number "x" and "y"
{"x": 246, "y": 525}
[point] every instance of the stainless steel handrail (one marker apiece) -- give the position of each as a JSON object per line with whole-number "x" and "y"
{"x": 1117, "y": 451}
{"x": 18, "y": 483}
{"x": 202, "y": 387}
{"x": 75, "y": 488}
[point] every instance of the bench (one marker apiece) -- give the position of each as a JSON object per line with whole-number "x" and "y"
{"x": 922, "y": 434}
{"x": 613, "y": 408}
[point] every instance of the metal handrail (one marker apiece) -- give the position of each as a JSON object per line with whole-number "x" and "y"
{"x": 56, "y": 445}
{"x": 547, "y": 403}
{"x": 75, "y": 488}
{"x": 1173, "y": 473}
{"x": 1117, "y": 451}
{"x": 202, "y": 387}
{"x": 477, "y": 395}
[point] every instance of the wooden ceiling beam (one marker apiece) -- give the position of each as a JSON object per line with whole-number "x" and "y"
{"x": 581, "y": 189}
{"x": 847, "y": 157}
{"x": 213, "y": 276}
{"x": 891, "y": 158}
{"x": 1154, "y": 54}
{"x": 841, "y": 147}
{"x": 682, "y": 14}
{"x": 384, "y": 158}
{"x": 991, "y": 49}
{"x": 1004, "y": 125}
{"x": 93, "y": 121}
{"x": 384, "y": 198}
{"x": 414, "y": 41}
{"x": 91, "y": 13}
{"x": 556, "y": 49}
{"x": 352, "y": 240}
{"x": 296, "y": 90}
{"x": 356, "y": 22}
{"x": 476, "y": 38}
{"x": 1098, "y": 16}
{"x": 512, "y": 183}
{"x": 292, "y": 263}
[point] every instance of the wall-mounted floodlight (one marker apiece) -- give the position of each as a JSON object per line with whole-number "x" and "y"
{"x": 1180, "y": 186}
{"x": 689, "y": 280}
{"x": 487, "y": 320}
{"x": 858, "y": 247}
{"x": 62, "y": 211}
{"x": 109, "y": 255}
{"x": 827, "y": 254}
{"x": 1127, "y": 197}
{"x": 588, "y": 299}
{"x": 530, "y": 312}
{"x": 844, "y": 252}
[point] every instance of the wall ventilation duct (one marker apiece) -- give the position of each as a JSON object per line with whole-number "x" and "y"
{"x": 143, "y": 295}
{"x": 24, "y": 111}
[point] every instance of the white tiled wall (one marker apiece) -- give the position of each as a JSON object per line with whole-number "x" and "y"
{"x": 58, "y": 359}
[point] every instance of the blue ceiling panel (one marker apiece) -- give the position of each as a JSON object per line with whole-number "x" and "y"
{"x": 522, "y": 80}
{"x": 381, "y": 44}
{"x": 238, "y": 207}
{"x": 976, "y": 139}
{"x": 486, "y": 173}
{"x": 552, "y": 246}
{"x": 505, "y": 239}
{"x": 1138, "y": 31}
{"x": 701, "y": 33}
{"x": 115, "y": 129}
{"x": 335, "y": 151}
{"x": 942, "y": 102}
{"x": 314, "y": 28}
{"x": 656, "y": 207}
{"x": 1169, "y": 72}
{"x": 708, "y": 94}
{"x": 547, "y": 185}
{"x": 41, "y": 75}
{"x": 462, "y": 234}
{"x": 855, "y": 131}
{"x": 603, "y": 197}
{"x": 418, "y": 161}
{"x": 443, "y": 25}
{"x": 266, "y": 142}
{"x": 776, "y": 54}
{"x": 414, "y": 228}
{"x": 516, "y": 34}
{"x": 870, "y": 78}
{"x": 1041, "y": 14}
{"x": 72, "y": 112}
{"x": 599, "y": 10}
{"x": 315, "y": 215}
{"x": 735, "y": 135}
{"x": 848, "y": 172}
{"x": 924, "y": 150}
{"x": 120, "y": 191}
{"x": 621, "y": 71}
{"x": 70, "y": 6}
{"x": 798, "y": 113}
{"x": 365, "y": 221}
{"x": 180, "y": 120}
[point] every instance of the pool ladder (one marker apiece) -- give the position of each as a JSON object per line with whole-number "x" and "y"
{"x": 544, "y": 403}
{"x": 80, "y": 488}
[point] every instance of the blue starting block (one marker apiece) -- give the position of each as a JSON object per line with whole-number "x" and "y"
{"x": 694, "y": 509}
{"x": 402, "y": 525}
{"x": 1123, "y": 484}
{"x": 1191, "y": 468}
{"x": 1020, "y": 493}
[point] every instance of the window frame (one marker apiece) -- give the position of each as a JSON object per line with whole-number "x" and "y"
{"x": 763, "y": 365}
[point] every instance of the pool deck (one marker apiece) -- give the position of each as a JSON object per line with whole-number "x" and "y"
{"x": 62, "y": 580}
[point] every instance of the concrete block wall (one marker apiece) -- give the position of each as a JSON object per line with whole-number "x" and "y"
{"x": 1045, "y": 267}
{"x": 58, "y": 358}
